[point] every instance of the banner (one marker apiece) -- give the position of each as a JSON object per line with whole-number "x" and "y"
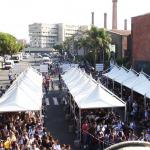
{"x": 99, "y": 67}
{"x": 44, "y": 68}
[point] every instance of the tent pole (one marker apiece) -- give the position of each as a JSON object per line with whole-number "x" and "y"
{"x": 145, "y": 101}
{"x": 41, "y": 114}
{"x": 80, "y": 123}
{"x": 74, "y": 108}
{"x": 132, "y": 93}
{"x": 121, "y": 91}
{"x": 70, "y": 103}
{"x": 125, "y": 113}
{"x": 113, "y": 85}
{"x": 107, "y": 82}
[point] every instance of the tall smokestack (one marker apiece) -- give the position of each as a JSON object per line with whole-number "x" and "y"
{"x": 114, "y": 14}
{"x": 125, "y": 24}
{"x": 92, "y": 18}
{"x": 105, "y": 20}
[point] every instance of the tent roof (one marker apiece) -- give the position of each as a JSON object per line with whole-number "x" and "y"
{"x": 88, "y": 94}
{"x": 77, "y": 81}
{"x": 84, "y": 88}
{"x": 99, "y": 98}
{"x": 113, "y": 72}
{"x": 126, "y": 76}
{"x": 25, "y": 94}
{"x": 143, "y": 87}
{"x": 135, "y": 81}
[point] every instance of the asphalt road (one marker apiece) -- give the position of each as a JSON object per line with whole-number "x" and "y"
{"x": 18, "y": 68}
{"x": 55, "y": 121}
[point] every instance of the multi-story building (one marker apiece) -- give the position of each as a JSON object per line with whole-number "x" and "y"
{"x": 48, "y": 35}
{"x": 22, "y": 41}
{"x": 141, "y": 42}
{"x": 43, "y": 35}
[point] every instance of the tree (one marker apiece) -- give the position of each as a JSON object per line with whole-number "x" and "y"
{"x": 99, "y": 41}
{"x": 8, "y": 44}
{"x": 59, "y": 48}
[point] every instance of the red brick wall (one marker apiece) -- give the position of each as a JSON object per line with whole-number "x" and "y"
{"x": 141, "y": 38}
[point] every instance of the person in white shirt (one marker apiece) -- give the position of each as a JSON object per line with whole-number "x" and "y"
{"x": 56, "y": 145}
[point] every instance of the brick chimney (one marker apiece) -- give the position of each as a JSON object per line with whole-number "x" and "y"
{"x": 92, "y": 18}
{"x": 105, "y": 20}
{"x": 114, "y": 14}
{"x": 125, "y": 24}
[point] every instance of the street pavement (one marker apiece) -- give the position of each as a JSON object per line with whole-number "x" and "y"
{"x": 18, "y": 68}
{"x": 55, "y": 121}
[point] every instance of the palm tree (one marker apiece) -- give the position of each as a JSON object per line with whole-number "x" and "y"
{"x": 99, "y": 41}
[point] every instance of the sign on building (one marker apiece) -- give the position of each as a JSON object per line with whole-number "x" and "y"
{"x": 99, "y": 67}
{"x": 43, "y": 68}
{"x": 112, "y": 48}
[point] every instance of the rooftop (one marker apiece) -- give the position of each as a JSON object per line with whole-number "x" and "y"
{"x": 142, "y": 15}
{"x": 121, "y": 32}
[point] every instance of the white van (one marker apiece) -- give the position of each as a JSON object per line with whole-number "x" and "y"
{"x": 9, "y": 64}
{"x": 47, "y": 60}
{"x": 15, "y": 58}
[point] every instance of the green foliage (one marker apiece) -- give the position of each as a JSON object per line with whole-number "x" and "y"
{"x": 9, "y": 44}
{"x": 121, "y": 61}
{"x": 90, "y": 58}
{"x": 94, "y": 42}
{"x": 59, "y": 48}
{"x": 99, "y": 41}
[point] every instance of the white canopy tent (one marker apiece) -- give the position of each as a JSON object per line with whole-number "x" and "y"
{"x": 90, "y": 95}
{"x": 112, "y": 73}
{"x": 147, "y": 94}
{"x": 143, "y": 87}
{"x": 121, "y": 72}
{"x": 136, "y": 81}
{"x": 66, "y": 67}
{"x": 78, "y": 80}
{"x": 23, "y": 94}
{"x": 72, "y": 76}
{"x": 98, "y": 98}
{"x": 139, "y": 83}
{"x": 69, "y": 73}
{"x": 86, "y": 86}
{"x": 124, "y": 77}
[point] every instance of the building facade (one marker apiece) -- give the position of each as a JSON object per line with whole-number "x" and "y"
{"x": 120, "y": 40}
{"x": 48, "y": 35}
{"x": 43, "y": 35}
{"x": 140, "y": 28}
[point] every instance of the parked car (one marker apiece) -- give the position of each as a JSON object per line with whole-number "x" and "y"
{"x": 15, "y": 58}
{"x": 26, "y": 56}
{"x": 47, "y": 60}
{"x": 7, "y": 57}
{"x": 8, "y": 64}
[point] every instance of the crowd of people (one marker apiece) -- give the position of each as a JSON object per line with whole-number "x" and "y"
{"x": 26, "y": 130}
{"x": 102, "y": 127}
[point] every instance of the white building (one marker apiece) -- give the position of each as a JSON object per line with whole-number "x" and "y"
{"x": 43, "y": 35}
{"x": 48, "y": 35}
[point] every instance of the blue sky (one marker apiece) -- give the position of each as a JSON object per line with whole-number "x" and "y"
{"x": 16, "y": 15}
